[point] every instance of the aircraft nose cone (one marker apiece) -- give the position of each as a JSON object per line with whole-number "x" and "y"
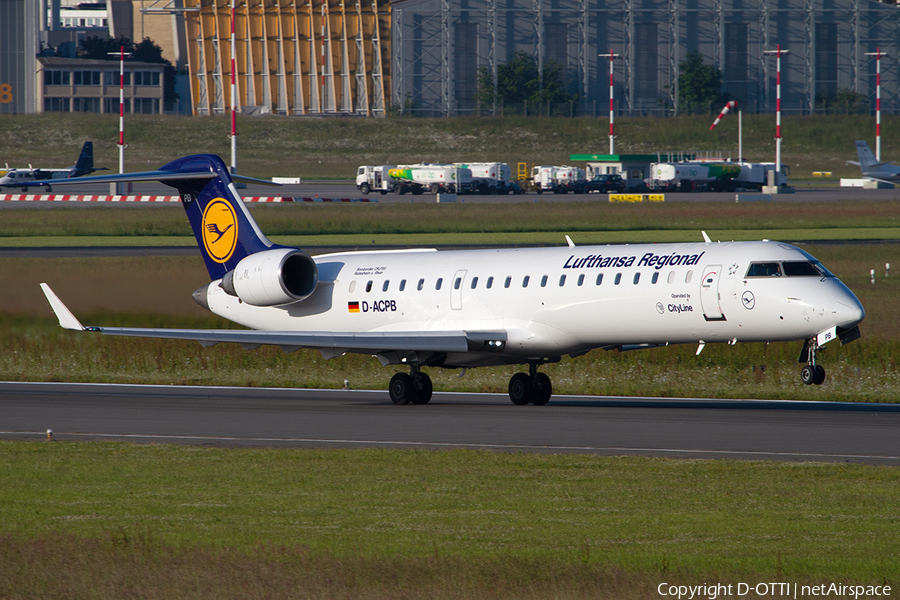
{"x": 848, "y": 311}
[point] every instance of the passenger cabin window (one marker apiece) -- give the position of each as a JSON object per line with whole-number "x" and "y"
{"x": 368, "y": 286}
{"x": 671, "y": 277}
{"x": 474, "y": 282}
{"x": 352, "y": 286}
{"x": 384, "y": 287}
{"x": 599, "y": 278}
{"x": 525, "y": 281}
{"x": 421, "y": 285}
{"x": 688, "y": 276}
{"x": 490, "y": 283}
{"x": 767, "y": 269}
{"x": 457, "y": 283}
{"x": 438, "y": 283}
{"x": 618, "y": 279}
{"x": 508, "y": 282}
{"x": 544, "y": 281}
{"x": 655, "y": 277}
{"x": 562, "y": 280}
{"x": 402, "y": 284}
{"x": 581, "y": 279}
{"x": 637, "y": 277}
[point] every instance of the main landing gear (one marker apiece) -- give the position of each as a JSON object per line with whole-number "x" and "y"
{"x": 811, "y": 373}
{"x": 414, "y": 388}
{"x": 533, "y": 387}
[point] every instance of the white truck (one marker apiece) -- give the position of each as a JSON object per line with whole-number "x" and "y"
{"x": 436, "y": 178}
{"x": 490, "y": 178}
{"x": 714, "y": 176}
{"x": 371, "y": 178}
{"x": 559, "y": 180}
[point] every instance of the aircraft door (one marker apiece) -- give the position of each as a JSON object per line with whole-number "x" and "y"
{"x": 456, "y": 288}
{"x": 709, "y": 293}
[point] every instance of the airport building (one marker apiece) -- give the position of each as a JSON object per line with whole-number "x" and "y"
{"x": 371, "y": 57}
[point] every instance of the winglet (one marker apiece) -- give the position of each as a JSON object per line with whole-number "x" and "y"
{"x": 66, "y": 319}
{"x": 706, "y": 238}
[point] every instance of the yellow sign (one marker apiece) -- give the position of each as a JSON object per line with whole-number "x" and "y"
{"x": 219, "y": 230}
{"x": 637, "y": 197}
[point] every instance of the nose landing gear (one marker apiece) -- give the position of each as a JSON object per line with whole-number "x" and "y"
{"x": 811, "y": 373}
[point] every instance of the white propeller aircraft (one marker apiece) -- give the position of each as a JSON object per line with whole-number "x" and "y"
{"x": 872, "y": 169}
{"x": 21, "y": 177}
{"x": 470, "y": 308}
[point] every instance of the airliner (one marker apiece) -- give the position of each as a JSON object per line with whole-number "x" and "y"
{"x": 423, "y": 308}
{"x": 871, "y": 168}
{"x": 21, "y": 177}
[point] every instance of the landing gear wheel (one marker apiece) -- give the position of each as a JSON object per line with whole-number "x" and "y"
{"x": 421, "y": 388}
{"x": 364, "y": 189}
{"x": 820, "y": 375}
{"x": 808, "y": 374}
{"x": 401, "y": 388}
{"x": 521, "y": 389}
{"x": 543, "y": 389}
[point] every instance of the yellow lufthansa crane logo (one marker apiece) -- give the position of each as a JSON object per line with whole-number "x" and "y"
{"x": 219, "y": 230}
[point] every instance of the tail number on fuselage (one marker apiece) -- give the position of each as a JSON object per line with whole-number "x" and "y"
{"x": 374, "y": 306}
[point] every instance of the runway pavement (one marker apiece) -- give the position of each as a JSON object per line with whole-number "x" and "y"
{"x": 220, "y": 416}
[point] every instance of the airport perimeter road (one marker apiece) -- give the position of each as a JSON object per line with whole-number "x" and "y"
{"x": 346, "y": 189}
{"x": 218, "y": 416}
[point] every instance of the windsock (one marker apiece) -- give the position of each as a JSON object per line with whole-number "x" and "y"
{"x": 731, "y": 105}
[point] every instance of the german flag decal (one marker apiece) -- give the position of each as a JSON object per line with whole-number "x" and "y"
{"x": 353, "y": 306}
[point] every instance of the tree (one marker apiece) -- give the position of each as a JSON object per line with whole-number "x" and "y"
{"x": 519, "y": 81}
{"x": 699, "y": 85}
{"x": 108, "y": 48}
{"x": 842, "y": 102}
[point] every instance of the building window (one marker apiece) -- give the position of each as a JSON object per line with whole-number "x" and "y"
{"x": 56, "y": 105}
{"x": 111, "y": 105}
{"x": 146, "y": 106}
{"x": 88, "y": 105}
{"x": 112, "y": 78}
{"x": 146, "y": 78}
{"x": 56, "y": 78}
{"x": 86, "y": 77}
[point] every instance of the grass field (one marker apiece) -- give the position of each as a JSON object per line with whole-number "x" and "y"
{"x": 332, "y": 148}
{"x": 105, "y": 520}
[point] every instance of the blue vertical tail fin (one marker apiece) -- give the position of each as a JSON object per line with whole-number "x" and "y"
{"x": 85, "y": 164}
{"x": 225, "y": 230}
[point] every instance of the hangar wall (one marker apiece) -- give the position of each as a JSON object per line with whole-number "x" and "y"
{"x": 439, "y": 44}
{"x": 294, "y": 57}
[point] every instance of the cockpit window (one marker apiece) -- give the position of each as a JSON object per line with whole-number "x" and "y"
{"x": 805, "y": 268}
{"x": 797, "y": 268}
{"x": 767, "y": 269}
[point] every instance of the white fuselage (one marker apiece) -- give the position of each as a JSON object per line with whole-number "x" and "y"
{"x": 566, "y": 300}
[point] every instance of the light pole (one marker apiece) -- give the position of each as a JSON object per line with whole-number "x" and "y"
{"x": 122, "y": 54}
{"x": 612, "y": 135}
{"x": 778, "y": 52}
{"x": 233, "y": 135}
{"x": 877, "y": 54}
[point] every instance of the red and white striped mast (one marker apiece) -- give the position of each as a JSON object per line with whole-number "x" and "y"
{"x": 778, "y": 52}
{"x": 877, "y": 54}
{"x": 233, "y": 135}
{"x": 612, "y": 135}
{"x": 121, "y": 144}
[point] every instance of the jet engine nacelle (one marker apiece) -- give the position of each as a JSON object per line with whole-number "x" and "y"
{"x": 272, "y": 277}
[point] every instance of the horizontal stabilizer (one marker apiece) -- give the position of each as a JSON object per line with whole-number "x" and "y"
{"x": 159, "y": 175}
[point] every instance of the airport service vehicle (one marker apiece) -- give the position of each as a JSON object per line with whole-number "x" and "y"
{"x": 437, "y": 179}
{"x": 371, "y": 178}
{"x": 422, "y": 308}
{"x": 83, "y": 166}
{"x": 490, "y": 178}
{"x": 603, "y": 184}
{"x": 556, "y": 179}
{"x": 714, "y": 176}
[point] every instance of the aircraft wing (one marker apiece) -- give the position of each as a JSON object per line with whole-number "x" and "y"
{"x": 335, "y": 342}
{"x": 161, "y": 176}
